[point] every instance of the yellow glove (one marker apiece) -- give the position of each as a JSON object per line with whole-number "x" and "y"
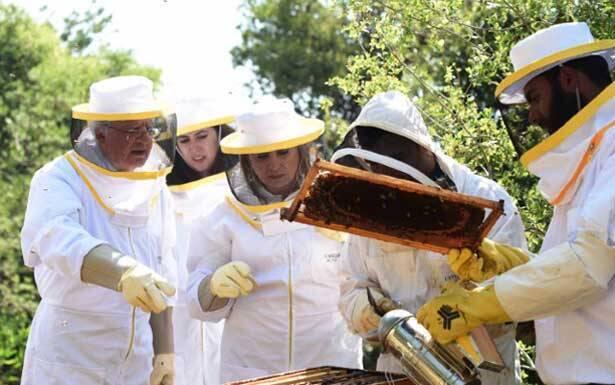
{"x": 143, "y": 288}
{"x": 232, "y": 280}
{"x": 458, "y": 311}
{"x": 364, "y": 316}
{"x": 163, "y": 372}
{"x": 491, "y": 259}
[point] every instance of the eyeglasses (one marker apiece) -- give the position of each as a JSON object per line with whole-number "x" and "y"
{"x": 136, "y": 129}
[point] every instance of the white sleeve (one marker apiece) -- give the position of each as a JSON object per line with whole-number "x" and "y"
{"x": 356, "y": 276}
{"x": 574, "y": 273}
{"x": 52, "y": 233}
{"x": 209, "y": 248}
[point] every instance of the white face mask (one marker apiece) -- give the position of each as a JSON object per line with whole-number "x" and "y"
{"x": 395, "y": 164}
{"x": 129, "y": 197}
{"x": 559, "y": 160}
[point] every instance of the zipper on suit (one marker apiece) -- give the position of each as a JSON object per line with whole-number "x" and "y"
{"x": 290, "y": 302}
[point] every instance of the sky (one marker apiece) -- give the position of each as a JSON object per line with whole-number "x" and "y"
{"x": 190, "y": 40}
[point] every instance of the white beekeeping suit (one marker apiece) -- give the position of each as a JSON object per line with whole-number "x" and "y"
{"x": 568, "y": 289}
{"x": 197, "y": 343}
{"x": 87, "y": 221}
{"x": 288, "y": 274}
{"x": 406, "y": 275}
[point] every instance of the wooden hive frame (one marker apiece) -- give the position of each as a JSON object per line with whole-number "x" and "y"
{"x": 328, "y": 375}
{"x": 295, "y": 211}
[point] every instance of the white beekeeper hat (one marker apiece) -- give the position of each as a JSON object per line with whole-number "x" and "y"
{"x": 197, "y": 113}
{"x": 120, "y": 98}
{"x": 270, "y": 126}
{"x": 546, "y": 49}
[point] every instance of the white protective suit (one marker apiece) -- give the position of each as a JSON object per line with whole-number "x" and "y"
{"x": 197, "y": 343}
{"x": 410, "y": 276}
{"x": 572, "y": 298}
{"x": 291, "y": 319}
{"x": 81, "y": 333}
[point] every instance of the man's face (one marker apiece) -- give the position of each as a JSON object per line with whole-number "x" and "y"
{"x": 550, "y": 107}
{"x": 126, "y": 144}
{"x": 404, "y": 150}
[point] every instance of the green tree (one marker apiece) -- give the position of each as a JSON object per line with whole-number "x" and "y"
{"x": 41, "y": 78}
{"x": 294, "y": 47}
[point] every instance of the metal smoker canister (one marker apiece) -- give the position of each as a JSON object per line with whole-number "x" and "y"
{"x": 422, "y": 358}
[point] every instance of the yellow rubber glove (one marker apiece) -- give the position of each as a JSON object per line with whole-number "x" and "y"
{"x": 163, "y": 371}
{"x": 491, "y": 259}
{"x": 144, "y": 288}
{"x": 232, "y": 280}
{"x": 364, "y": 316}
{"x": 141, "y": 286}
{"x": 458, "y": 311}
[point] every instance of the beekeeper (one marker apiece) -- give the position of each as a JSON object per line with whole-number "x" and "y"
{"x": 198, "y": 184}
{"x": 389, "y": 137}
{"x": 276, "y": 283}
{"x": 563, "y": 74}
{"x": 99, "y": 232}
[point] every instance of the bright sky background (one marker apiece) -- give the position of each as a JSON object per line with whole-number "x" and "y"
{"x": 190, "y": 40}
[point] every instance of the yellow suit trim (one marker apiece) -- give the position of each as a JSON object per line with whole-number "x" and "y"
{"x": 587, "y": 157}
{"x": 570, "y": 127}
{"x": 252, "y": 222}
{"x": 135, "y": 175}
{"x": 88, "y": 184}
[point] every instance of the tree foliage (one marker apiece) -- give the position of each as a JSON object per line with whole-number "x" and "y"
{"x": 41, "y": 78}
{"x": 294, "y": 47}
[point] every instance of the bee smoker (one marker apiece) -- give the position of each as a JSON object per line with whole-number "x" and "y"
{"x": 421, "y": 357}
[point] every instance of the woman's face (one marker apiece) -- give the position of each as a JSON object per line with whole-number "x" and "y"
{"x": 277, "y": 170}
{"x": 199, "y": 149}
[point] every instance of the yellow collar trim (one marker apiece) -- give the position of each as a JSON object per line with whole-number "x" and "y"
{"x": 205, "y": 124}
{"x": 260, "y": 209}
{"x": 197, "y": 183}
{"x": 135, "y": 175}
{"x": 248, "y": 213}
{"x": 88, "y": 184}
{"x": 228, "y": 148}
{"x": 569, "y": 128}
{"x": 551, "y": 59}
{"x": 235, "y": 206}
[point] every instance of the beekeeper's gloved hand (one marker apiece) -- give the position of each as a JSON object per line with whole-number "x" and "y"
{"x": 491, "y": 259}
{"x": 232, "y": 280}
{"x": 163, "y": 371}
{"x": 140, "y": 285}
{"x": 364, "y": 316}
{"x": 458, "y": 311}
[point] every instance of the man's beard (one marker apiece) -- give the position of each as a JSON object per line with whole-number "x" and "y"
{"x": 563, "y": 107}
